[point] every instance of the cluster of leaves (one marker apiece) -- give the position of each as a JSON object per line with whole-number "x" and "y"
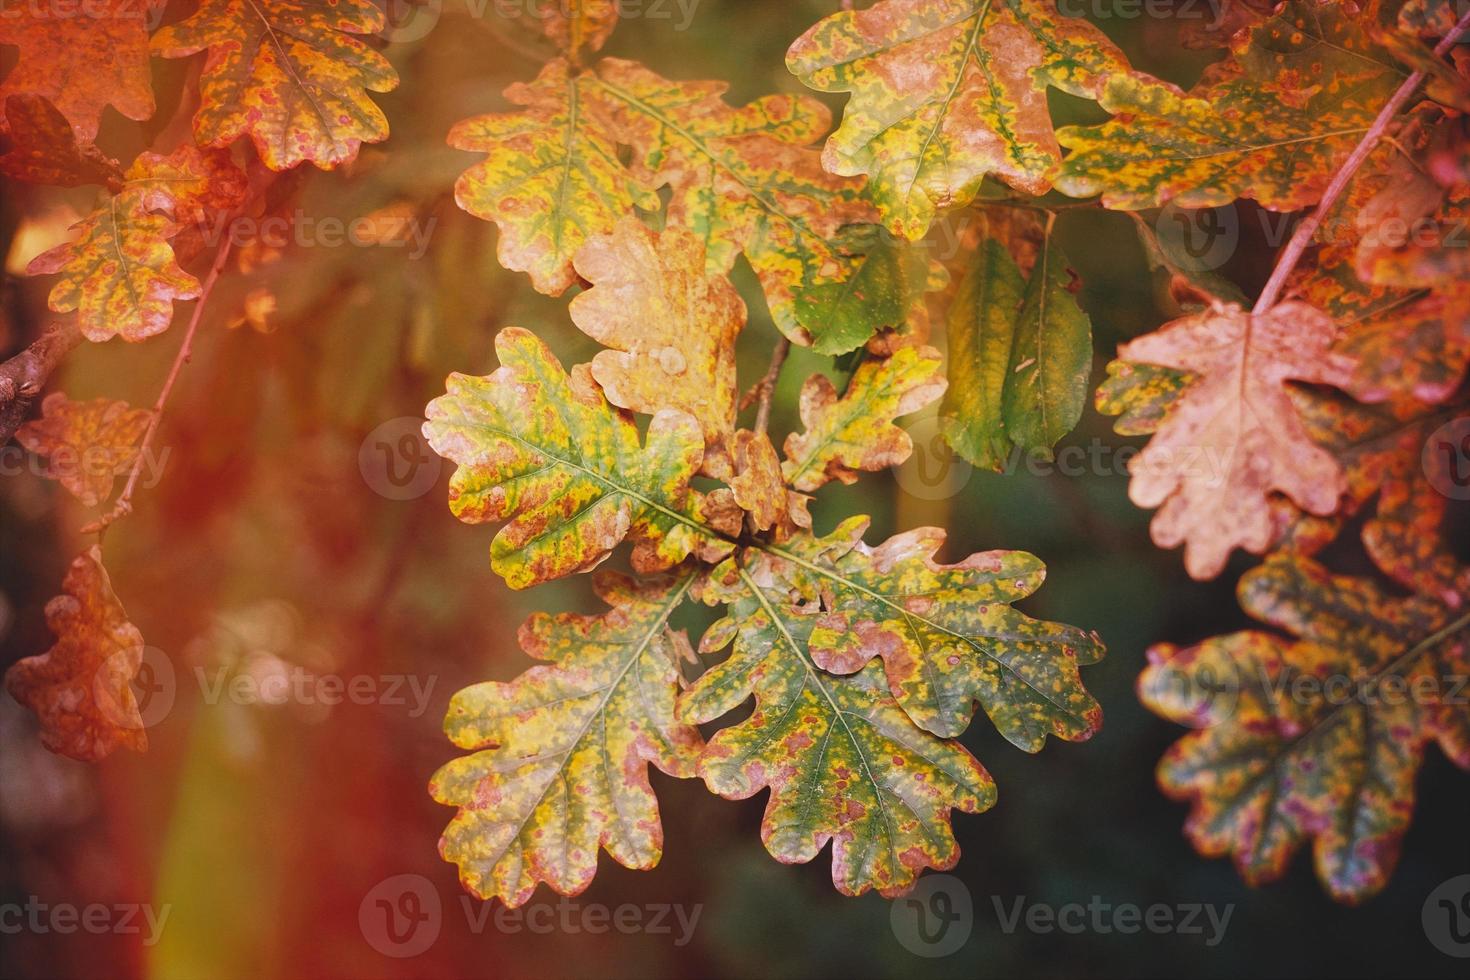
{"x": 293, "y": 77}
{"x": 1271, "y": 429}
{"x": 865, "y": 661}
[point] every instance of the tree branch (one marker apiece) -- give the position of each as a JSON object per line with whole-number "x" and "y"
{"x": 124, "y": 504}
{"x": 767, "y": 386}
{"x": 1302, "y": 236}
{"x": 24, "y": 375}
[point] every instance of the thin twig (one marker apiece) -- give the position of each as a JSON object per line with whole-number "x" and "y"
{"x": 767, "y": 386}
{"x": 24, "y": 375}
{"x": 1302, "y": 236}
{"x": 124, "y": 504}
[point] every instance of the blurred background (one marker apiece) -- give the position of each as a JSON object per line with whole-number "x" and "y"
{"x": 300, "y": 528}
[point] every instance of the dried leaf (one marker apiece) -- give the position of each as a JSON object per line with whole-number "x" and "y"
{"x": 41, "y": 147}
{"x": 946, "y": 92}
{"x": 670, "y": 326}
{"x": 82, "y": 57}
{"x": 290, "y": 74}
{"x": 561, "y": 754}
{"x": 79, "y": 688}
{"x": 1233, "y": 438}
{"x": 86, "y": 444}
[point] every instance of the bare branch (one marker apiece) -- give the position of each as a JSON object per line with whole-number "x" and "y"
{"x": 24, "y": 375}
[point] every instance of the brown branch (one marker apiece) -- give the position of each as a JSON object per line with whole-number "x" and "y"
{"x": 124, "y": 504}
{"x": 24, "y": 375}
{"x": 1301, "y": 238}
{"x": 767, "y": 387}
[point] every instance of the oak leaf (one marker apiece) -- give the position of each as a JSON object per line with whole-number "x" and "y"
{"x": 1317, "y": 739}
{"x": 1234, "y": 436}
{"x": 86, "y": 444}
{"x": 291, "y": 74}
{"x": 82, "y": 57}
{"x": 561, "y": 754}
{"x": 671, "y": 327}
{"x": 841, "y": 759}
{"x": 854, "y": 431}
{"x": 545, "y": 451}
{"x": 947, "y": 634}
{"x": 39, "y": 146}
{"x": 946, "y": 92}
{"x": 1020, "y": 356}
{"x": 79, "y": 689}
{"x": 1271, "y": 123}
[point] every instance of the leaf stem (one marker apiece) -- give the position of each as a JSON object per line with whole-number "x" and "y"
{"x": 767, "y": 387}
{"x": 1302, "y": 237}
{"x": 124, "y": 504}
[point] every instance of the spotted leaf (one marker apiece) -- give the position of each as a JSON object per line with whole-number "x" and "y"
{"x": 293, "y": 75}
{"x": 86, "y": 444}
{"x": 1318, "y": 739}
{"x": 561, "y": 754}
{"x": 79, "y": 689}
{"x": 947, "y": 634}
{"x": 946, "y": 92}
{"x": 853, "y": 432}
{"x": 1271, "y": 123}
{"x": 842, "y": 761}
{"x": 81, "y": 57}
{"x": 546, "y": 452}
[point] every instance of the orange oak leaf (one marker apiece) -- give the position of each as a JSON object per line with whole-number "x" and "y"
{"x": 82, "y": 56}
{"x": 86, "y": 444}
{"x": 290, "y": 74}
{"x": 575, "y": 25}
{"x": 670, "y": 327}
{"x": 121, "y": 274}
{"x": 79, "y": 688}
{"x": 1234, "y": 436}
{"x": 40, "y": 146}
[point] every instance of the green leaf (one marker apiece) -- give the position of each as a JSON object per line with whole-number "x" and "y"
{"x": 1020, "y": 359}
{"x": 841, "y": 759}
{"x": 561, "y": 754}
{"x": 547, "y": 452}
{"x": 884, "y": 292}
{"x": 947, "y": 633}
